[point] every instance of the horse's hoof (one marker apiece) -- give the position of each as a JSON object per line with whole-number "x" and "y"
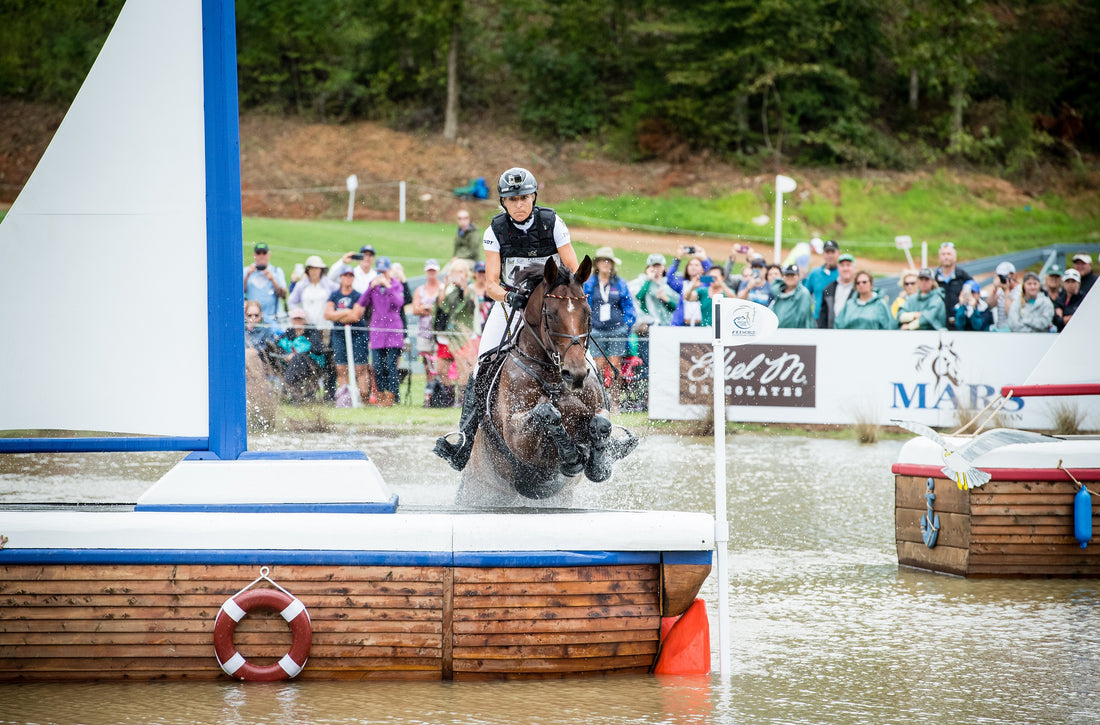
{"x": 598, "y": 472}
{"x": 599, "y": 432}
{"x": 546, "y": 414}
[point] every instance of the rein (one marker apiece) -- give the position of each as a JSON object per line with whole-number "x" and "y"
{"x": 554, "y": 358}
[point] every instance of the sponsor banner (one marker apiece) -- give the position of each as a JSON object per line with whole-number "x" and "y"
{"x": 848, "y": 376}
{"x": 754, "y": 374}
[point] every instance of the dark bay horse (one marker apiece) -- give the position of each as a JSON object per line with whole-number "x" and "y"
{"x": 546, "y": 418}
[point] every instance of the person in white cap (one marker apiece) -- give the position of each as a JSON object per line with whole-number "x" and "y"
{"x": 1069, "y": 299}
{"x": 1083, "y": 264}
{"x": 656, "y": 301}
{"x": 1002, "y": 295}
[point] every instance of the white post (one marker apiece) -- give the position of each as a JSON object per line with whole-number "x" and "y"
{"x": 783, "y": 185}
{"x": 923, "y": 254}
{"x": 905, "y": 243}
{"x": 353, "y": 383}
{"x": 401, "y": 217}
{"x": 721, "y": 525}
{"x": 353, "y": 184}
{"x": 736, "y": 322}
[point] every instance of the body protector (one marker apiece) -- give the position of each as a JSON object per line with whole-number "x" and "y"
{"x": 520, "y": 249}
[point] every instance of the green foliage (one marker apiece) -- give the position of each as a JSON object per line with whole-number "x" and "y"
{"x": 817, "y": 82}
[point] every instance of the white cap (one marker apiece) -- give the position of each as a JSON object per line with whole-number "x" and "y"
{"x": 1082, "y": 257}
{"x": 1006, "y": 268}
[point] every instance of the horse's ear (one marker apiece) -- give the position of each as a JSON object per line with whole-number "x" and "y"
{"x": 550, "y": 273}
{"x": 585, "y": 270}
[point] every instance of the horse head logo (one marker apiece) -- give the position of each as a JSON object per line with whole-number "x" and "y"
{"x": 942, "y": 361}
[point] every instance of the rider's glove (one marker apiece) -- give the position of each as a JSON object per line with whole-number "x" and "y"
{"x": 516, "y": 299}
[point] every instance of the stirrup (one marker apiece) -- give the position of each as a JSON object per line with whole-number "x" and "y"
{"x": 456, "y": 454}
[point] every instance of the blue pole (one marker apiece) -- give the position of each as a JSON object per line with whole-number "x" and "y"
{"x": 228, "y": 422}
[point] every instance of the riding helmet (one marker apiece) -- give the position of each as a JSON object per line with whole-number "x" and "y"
{"x": 517, "y": 182}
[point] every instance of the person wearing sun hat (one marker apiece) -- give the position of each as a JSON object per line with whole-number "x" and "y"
{"x": 613, "y": 317}
{"x": 1069, "y": 300}
{"x": 312, "y": 293}
{"x": 655, "y": 300}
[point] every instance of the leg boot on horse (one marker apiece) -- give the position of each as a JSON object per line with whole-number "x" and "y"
{"x": 473, "y": 408}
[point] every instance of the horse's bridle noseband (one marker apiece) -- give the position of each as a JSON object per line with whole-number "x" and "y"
{"x": 551, "y": 350}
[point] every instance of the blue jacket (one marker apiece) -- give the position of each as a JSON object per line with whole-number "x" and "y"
{"x": 619, "y": 301}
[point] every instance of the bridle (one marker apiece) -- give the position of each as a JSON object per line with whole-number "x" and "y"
{"x": 555, "y": 357}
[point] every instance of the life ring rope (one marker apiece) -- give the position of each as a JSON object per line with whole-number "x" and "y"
{"x": 234, "y": 609}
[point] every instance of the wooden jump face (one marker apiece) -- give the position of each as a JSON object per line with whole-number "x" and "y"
{"x": 100, "y": 622}
{"x": 1003, "y": 529}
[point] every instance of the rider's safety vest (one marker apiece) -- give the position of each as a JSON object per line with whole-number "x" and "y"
{"x": 520, "y": 249}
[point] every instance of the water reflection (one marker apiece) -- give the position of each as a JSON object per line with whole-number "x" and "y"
{"x": 826, "y": 629}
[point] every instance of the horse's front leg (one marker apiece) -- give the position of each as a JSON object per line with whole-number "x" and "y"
{"x": 598, "y": 466}
{"x": 544, "y": 417}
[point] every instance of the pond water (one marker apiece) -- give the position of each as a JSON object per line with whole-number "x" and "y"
{"x": 825, "y": 627}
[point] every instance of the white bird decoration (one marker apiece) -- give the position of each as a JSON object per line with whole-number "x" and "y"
{"x": 958, "y": 463}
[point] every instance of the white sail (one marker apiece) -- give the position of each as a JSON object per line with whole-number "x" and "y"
{"x": 105, "y": 248}
{"x": 1072, "y": 357}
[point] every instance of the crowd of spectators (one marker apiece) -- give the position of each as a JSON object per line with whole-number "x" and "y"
{"x": 301, "y": 330}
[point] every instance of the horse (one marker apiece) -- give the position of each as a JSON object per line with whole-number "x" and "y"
{"x": 546, "y": 417}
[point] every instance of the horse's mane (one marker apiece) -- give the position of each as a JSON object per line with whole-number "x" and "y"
{"x": 529, "y": 277}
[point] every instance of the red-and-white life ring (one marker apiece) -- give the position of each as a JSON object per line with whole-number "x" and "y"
{"x": 234, "y": 609}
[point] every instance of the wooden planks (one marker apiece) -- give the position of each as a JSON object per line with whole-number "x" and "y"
{"x": 65, "y": 622}
{"x": 62, "y": 622}
{"x": 1004, "y": 528}
{"x": 520, "y": 623}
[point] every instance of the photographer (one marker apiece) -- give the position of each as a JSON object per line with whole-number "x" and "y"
{"x": 1002, "y": 295}
{"x": 362, "y": 264}
{"x": 688, "y": 312}
{"x": 264, "y": 282}
{"x": 754, "y": 282}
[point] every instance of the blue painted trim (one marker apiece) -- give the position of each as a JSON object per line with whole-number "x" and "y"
{"x": 379, "y": 507}
{"x": 224, "y": 243}
{"x": 554, "y": 558}
{"x": 225, "y": 556}
{"x": 468, "y": 559}
{"x": 100, "y": 445}
{"x": 304, "y": 456}
{"x": 688, "y": 557}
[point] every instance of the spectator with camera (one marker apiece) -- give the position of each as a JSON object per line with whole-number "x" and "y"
{"x": 1003, "y": 294}
{"x": 361, "y": 263}
{"x": 971, "y": 312}
{"x": 924, "y": 310}
{"x": 688, "y": 312}
{"x": 754, "y": 281}
{"x": 793, "y": 303}
{"x": 383, "y": 300}
{"x": 264, "y": 282}
{"x": 340, "y": 310}
{"x": 836, "y": 293}
{"x": 950, "y": 278}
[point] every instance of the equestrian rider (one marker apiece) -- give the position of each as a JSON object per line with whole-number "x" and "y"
{"x": 520, "y": 236}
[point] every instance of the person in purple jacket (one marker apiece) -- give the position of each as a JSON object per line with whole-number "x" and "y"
{"x": 384, "y": 298}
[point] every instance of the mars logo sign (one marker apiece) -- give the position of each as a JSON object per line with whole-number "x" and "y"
{"x": 947, "y": 390}
{"x": 755, "y": 375}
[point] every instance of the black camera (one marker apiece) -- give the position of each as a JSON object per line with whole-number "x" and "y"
{"x": 689, "y": 250}
{"x": 1003, "y": 278}
{"x": 357, "y": 256}
{"x": 261, "y": 267}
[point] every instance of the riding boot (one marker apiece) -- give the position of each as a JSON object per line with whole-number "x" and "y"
{"x": 473, "y": 407}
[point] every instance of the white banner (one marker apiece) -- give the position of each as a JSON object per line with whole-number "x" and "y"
{"x": 846, "y": 376}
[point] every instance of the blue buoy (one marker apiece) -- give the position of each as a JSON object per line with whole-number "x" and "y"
{"x": 1082, "y": 517}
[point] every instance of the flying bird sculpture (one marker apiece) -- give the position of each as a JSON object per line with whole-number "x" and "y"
{"x": 958, "y": 463}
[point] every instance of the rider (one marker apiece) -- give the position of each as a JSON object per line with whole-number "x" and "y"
{"x": 520, "y": 236}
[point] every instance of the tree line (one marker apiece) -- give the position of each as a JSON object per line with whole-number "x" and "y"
{"x": 890, "y": 84}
